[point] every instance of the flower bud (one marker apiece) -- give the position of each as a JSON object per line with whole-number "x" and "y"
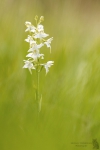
{"x": 42, "y": 18}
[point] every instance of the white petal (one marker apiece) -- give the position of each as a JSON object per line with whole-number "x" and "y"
{"x": 41, "y": 35}
{"x": 30, "y": 27}
{"x": 40, "y": 28}
{"x": 28, "y": 64}
{"x": 48, "y": 42}
{"x": 40, "y": 45}
{"x": 48, "y": 65}
{"x": 27, "y": 23}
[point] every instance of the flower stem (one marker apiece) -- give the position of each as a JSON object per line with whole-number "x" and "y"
{"x": 37, "y": 95}
{"x": 38, "y": 85}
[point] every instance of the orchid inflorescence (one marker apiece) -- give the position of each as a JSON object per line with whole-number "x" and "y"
{"x": 37, "y": 39}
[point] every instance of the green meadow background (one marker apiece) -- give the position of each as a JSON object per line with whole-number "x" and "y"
{"x": 70, "y": 111}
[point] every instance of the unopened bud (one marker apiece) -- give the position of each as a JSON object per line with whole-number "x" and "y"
{"x": 42, "y": 18}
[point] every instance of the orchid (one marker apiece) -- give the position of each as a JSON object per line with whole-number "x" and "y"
{"x": 48, "y": 65}
{"x": 30, "y": 27}
{"x": 48, "y": 42}
{"x": 40, "y": 28}
{"x": 28, "y": 64}
{"x": 34, "y": 45}
{"x": 41, "y": 35}
{"x": 30, "y": 40}
{"x": 37, "y": 39}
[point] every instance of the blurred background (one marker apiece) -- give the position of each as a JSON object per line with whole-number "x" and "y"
{"x": 70, "y": 111}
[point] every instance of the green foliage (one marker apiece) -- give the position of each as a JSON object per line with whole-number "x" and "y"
{"x": 70, "y": 91}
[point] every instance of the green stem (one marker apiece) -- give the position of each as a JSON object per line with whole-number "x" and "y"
{"x": 38, "y": 99}
{"x": 37, "y": 92}
{"x": 37, "y": 86}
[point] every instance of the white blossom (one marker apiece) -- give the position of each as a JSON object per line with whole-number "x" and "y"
{"x": 35, "y": 46}
{"x": 30, "y": 40}
{"x": 35, "y": 55}
{"x": 48, "y": 65}
{"x": 48, "y": 42}
{"x": 37, "y": 39}
{"x": 41, "y": 35}
{"x": 40, "y": 28}
{"x": 28, "y": 64}
{"x": 30, "y": 27}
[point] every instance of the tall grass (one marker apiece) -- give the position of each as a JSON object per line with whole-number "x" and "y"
{"x": 71, "y": 96}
